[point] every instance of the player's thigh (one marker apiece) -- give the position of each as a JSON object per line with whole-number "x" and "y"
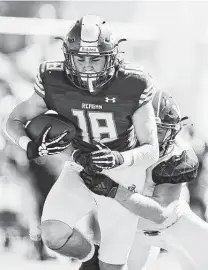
{"x": 182, "y": 257}
{"x": 89, "y": 227}
{"x": 143, "y": 254}
{"x": 117, "y": 227}
{"x": 107, "y": 266}
{"x": 117, "y": 224}
{"x": 191, "y": 234}
{"x": 68, "y": 200}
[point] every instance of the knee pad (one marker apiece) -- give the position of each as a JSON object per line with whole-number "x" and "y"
{"x": 55, "y": 233}
{"x": 80, "y": 246}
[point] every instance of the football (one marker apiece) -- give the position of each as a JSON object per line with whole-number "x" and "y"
{"x": 58, "y": 124}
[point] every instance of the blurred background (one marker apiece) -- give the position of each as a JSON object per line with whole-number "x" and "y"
{"x": 169, "y": 39}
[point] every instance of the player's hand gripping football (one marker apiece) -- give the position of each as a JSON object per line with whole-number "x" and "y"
{"x": 105, "y": 158}
{"x": 43, "y": 146}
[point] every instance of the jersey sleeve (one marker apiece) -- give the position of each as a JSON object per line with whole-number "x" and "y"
{"x": 148, "y": 90}
{"x": 140, "y": 85}
{"x": 39, "y": 81}
{"x": 178, "y": 169}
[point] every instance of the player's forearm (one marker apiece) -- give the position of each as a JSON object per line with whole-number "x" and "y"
{"x": 141, "y": 205}
{"x": 145, "y": 155}
{"x": 15, "y": 131}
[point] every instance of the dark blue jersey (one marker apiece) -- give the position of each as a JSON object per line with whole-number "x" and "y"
{"x": 106, "y": 116}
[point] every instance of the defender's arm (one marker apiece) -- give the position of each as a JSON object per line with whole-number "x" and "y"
{"x": 156, "y": 208}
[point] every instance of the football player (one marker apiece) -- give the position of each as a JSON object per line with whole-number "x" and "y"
{"x": 166, "y": 219}
{"x": 110, "y": 104}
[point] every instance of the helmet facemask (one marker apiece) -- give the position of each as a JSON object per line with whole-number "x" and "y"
{"x": 168, "y": 120}
{"x": 166, "y": 136}
{"x": 91, "y": 81}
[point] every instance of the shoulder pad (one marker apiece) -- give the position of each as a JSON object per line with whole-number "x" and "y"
{"x": 50, "y": 65}
{"x": 54, "y": 65}
{"x": 178, "y": 169}
{"x": 135, "y": 71}
{"x": 144, "y": 80}
{"x": 42, "y": 68}
{"x": 40, "y": 78}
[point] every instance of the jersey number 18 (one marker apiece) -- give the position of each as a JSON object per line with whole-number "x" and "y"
{"x": 96, "y": 125}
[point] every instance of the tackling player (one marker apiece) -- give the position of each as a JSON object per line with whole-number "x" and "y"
{"x": 109, "y": 103}
{"x": 166, "y": 219}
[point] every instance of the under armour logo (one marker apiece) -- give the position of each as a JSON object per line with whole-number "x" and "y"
{"x": 112, "y": 100}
